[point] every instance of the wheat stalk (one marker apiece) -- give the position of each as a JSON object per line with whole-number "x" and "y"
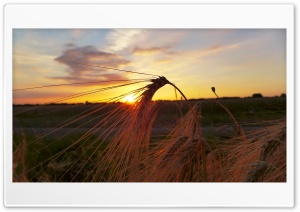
{"x": 129, "y": 148}
{"x": 239, "y": 129}
{"x": 246, "y": 161}
{"x": 269, "y": 148}
{"x": 19, "y": 166}
{"x": 182, "y": 155}
{"x": 257, "y": 172}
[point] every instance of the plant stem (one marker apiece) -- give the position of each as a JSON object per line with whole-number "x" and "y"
{"x": 203, "y": 149}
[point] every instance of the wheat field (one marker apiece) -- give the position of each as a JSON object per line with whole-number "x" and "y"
{"x": 205, "y": 140}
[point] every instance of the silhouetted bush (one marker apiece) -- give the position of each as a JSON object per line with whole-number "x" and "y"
{"x": 257, "y": 95}
{"x": 283, "y": 95}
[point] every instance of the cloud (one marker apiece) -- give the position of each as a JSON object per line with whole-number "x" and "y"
{"x": 215, "y": 49}
{"x": 163, "y": 61}
{"x": 77, "y": 32}
{"x": 83, "y": 64}
{"x": 127, "y": 39}
{"x": 219, "y": 48}
{"x": 163, "y": 37}
{"x": 149, "y": 50}
{"x": 70, "y": 45}
{"x": 120, "y": 39}
{"x": 103, "y": 77}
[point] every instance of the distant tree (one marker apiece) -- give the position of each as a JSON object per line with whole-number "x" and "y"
{"x": 283, "y": 95}
{"x": 257, "y": 95}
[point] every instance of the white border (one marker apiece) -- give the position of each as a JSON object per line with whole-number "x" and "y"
{"x": 148, "y": 16}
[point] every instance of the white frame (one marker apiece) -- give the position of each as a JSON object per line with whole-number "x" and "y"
{"x": 141, "y": 16}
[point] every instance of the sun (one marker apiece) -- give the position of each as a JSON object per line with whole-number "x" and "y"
{"x": 130, "y": 99}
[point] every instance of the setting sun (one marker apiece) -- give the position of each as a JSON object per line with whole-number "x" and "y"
{"x": 129, "y": 99}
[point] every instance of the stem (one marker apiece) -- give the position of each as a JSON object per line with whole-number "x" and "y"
{"x": 238, "y": 127}
{"x": 178, "y": 90}
{"x": 216, "y": 95}
{"x": 203, "y": 149}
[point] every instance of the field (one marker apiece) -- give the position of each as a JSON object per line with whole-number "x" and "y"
{"x": 208, "y": 140}
{"x": 96, "y": 105}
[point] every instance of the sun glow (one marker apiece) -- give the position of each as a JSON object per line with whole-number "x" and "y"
{"x": 130, "y": 99}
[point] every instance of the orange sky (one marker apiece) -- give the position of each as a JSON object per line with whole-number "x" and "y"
{"x": 238, "y": 62}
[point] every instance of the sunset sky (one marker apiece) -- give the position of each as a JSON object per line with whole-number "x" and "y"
{"x": 237, "y": 62}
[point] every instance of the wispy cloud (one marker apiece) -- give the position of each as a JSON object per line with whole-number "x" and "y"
{"x": 129, "y": 39}
{"x": 77, "y": 32}
{"x": 163, "y": 61}
{"x": 70, "y": 45}
{"x": 212, "y": 50}
{"x": 120, "y": 39}
{"x": 149, "y": 50}
{"x": 219, "y": 48}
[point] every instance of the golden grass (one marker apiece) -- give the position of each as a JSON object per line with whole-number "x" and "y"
{"x": 19, "y": 167}
{"x": 255, "y": 160}
{"x": 184, "y": 155}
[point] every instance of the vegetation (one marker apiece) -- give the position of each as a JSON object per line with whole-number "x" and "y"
{"x": 257, "y": 95}
{"x": 214, "y": 140}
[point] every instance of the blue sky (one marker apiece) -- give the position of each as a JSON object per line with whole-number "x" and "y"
{"x": 238, "y": 62}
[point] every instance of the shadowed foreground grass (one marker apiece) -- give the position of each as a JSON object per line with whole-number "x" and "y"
{"x": 224, "y": 140}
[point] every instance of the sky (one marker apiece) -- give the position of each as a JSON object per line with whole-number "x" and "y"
{"x": 237, "y": 62}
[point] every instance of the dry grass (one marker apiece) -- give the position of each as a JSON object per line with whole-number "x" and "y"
{"x": 180, "y": 155}
{"x": 19, "y": 167}
{"x": 184, "y": 155}
{"x": 261, "y": 159}
{"x": 124, "y": 154}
